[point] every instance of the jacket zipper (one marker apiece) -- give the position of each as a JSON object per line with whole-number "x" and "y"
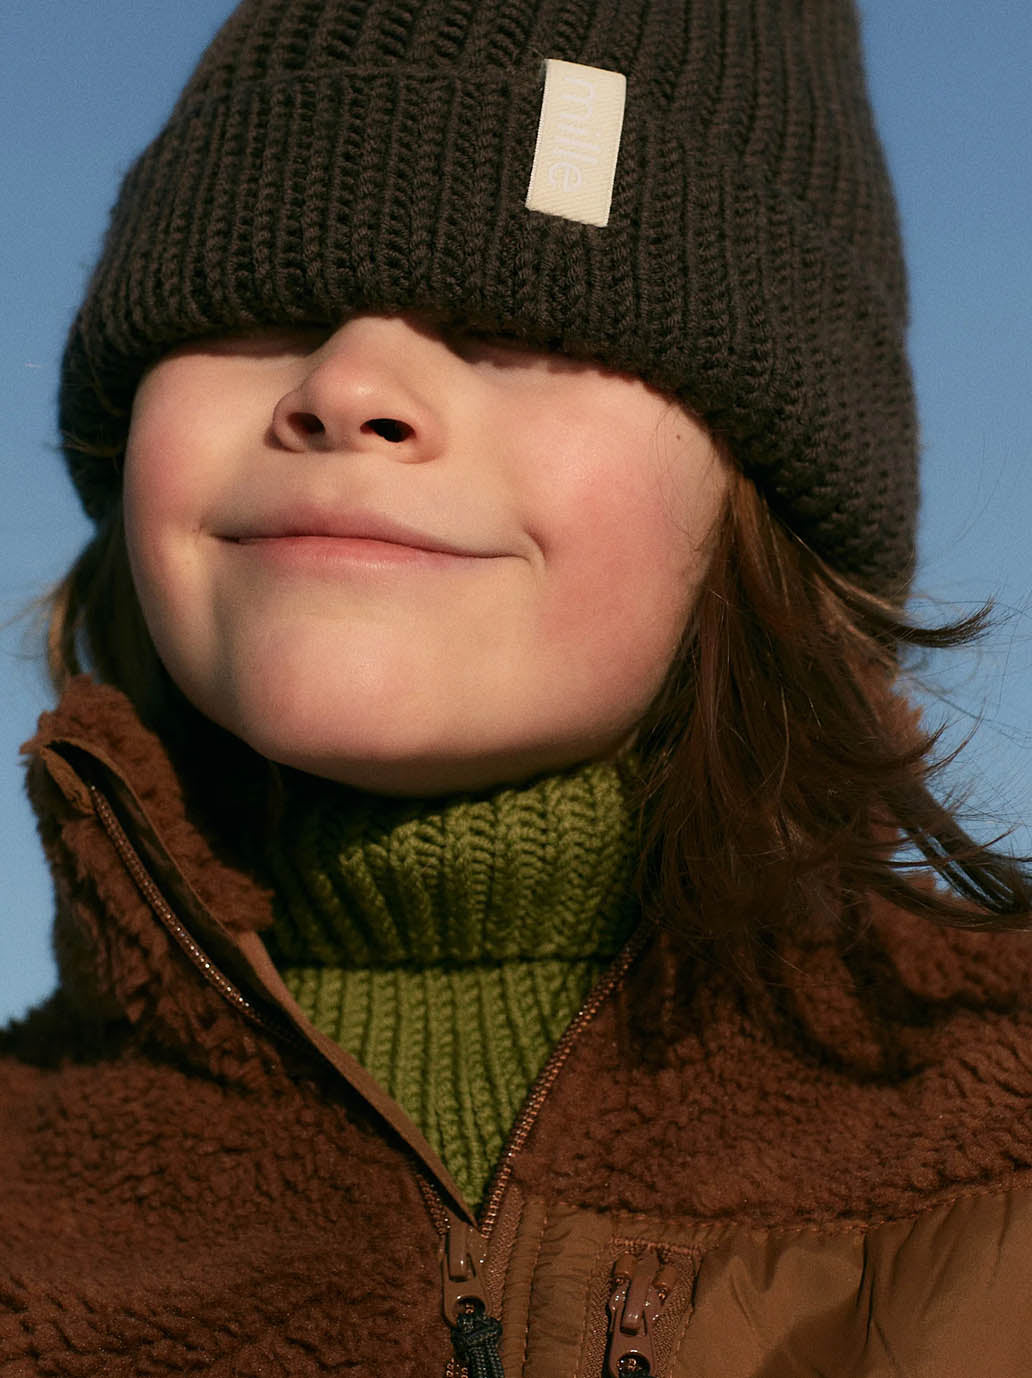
{"x": 606, "y": 986}
{"x": 196, "y": 954}
{"x": 463, "y": 1249}
{"x": 639, "y": 1290}
{"x": 472, "y": 1245}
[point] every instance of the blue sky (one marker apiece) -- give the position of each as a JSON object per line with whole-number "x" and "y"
{"x": 86, "y": 85}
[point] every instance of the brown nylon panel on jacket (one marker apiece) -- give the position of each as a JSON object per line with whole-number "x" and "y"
{"x": 946, "y": 1294}
{"x": 943, "y": 1294}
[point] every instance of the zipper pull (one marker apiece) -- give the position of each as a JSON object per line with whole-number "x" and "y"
{"x": 463, "y": 1252}
{"x": 475, "y": 1334}
{"x": 640, "y": 1287}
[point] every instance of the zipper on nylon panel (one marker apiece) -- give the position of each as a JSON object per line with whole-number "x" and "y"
{"x": 639, "y": 1289}
{"x": 464, "y": 1249}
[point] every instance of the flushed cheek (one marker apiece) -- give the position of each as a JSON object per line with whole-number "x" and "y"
{"x": 616, "y": 543}
{"x": 179, "y": 609}
{"x": 172, "y": 576}
{"x": 608, "y": 632}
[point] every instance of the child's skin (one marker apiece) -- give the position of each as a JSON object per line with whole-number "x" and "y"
{"x": 577, "y": 506}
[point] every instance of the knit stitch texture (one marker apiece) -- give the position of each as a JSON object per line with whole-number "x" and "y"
{"x": 335, "y": 156}
{"x": 447, "y": 945}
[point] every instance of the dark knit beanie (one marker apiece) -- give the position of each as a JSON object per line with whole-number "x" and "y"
{"x": 333, "y": 156}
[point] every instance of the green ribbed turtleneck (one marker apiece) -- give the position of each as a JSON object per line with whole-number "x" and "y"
{"x": 447, "y": 944}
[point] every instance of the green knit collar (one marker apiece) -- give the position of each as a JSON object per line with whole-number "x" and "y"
{"x": 538, "y": 870}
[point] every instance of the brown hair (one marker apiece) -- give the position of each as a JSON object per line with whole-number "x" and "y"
{"x": 782, "y": 768}
{"x": 96, "y": 623}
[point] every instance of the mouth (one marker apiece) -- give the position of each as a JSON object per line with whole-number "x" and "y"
{"x": 367, "y": 538}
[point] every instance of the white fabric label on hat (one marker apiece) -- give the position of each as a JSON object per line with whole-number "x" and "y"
{"x": 578, "y": 142}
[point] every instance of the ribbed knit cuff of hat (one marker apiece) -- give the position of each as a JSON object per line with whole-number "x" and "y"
{"x": 447, "y": 944}
{"x": 375, "y": 155}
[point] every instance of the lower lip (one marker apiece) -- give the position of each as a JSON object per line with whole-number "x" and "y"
{"x": 334, "y": 552}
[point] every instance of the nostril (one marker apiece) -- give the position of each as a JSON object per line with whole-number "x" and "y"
{"x": 308, "y": 423}
{"x": 388, "y": 429}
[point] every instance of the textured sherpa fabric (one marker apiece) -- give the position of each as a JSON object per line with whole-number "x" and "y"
{"x": 162, "y": 1166}
{"x": 834, "y": 1169}
{"x": 334, "y": 156}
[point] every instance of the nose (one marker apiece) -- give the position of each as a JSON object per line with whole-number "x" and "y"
{"x": 374, "y": 385}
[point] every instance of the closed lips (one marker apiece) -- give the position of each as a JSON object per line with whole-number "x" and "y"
{"x": 365, "y": 527}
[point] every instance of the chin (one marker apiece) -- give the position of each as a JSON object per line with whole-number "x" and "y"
{"x": 426, "y": 776}
{"x": 428, "y": 771}
{"x": 402, "y": 745}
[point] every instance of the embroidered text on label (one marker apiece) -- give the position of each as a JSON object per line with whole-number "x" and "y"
{"x": 578, "y": 142}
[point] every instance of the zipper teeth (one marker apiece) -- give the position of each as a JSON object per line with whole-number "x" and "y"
{"x": 434, "y": 1204}
{"x": 158, "y": 904}
{"x": 537, "y": 1096}
{"x": 150, "y": 892}
{"x": 542, "y": 1086}
{"x": 538, "y": 1092}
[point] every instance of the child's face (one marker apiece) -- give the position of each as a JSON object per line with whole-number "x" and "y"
{"x": 410, "y": 562}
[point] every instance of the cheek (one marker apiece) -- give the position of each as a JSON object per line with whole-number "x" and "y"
{"x": 163, "y": 501}
{"x": 628, "y": 547}
{"x": 153, "y": 513}
{"x": 625, "y": 563}
{"x": 168, "y": 451}
{"x": 609, "y": 629}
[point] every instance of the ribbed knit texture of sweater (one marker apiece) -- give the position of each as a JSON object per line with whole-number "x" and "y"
{"x": 447, "y": 944}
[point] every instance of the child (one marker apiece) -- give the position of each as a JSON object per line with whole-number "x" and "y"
{"x": 484, "y": 942}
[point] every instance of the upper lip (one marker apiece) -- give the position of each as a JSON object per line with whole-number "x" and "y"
{"x": 358, "y": 525}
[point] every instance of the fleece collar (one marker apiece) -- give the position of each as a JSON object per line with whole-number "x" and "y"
{"x": 878, "y": 1053}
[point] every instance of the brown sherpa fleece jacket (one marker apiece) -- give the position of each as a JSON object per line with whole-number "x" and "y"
{"x": 830, "y": 1176}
